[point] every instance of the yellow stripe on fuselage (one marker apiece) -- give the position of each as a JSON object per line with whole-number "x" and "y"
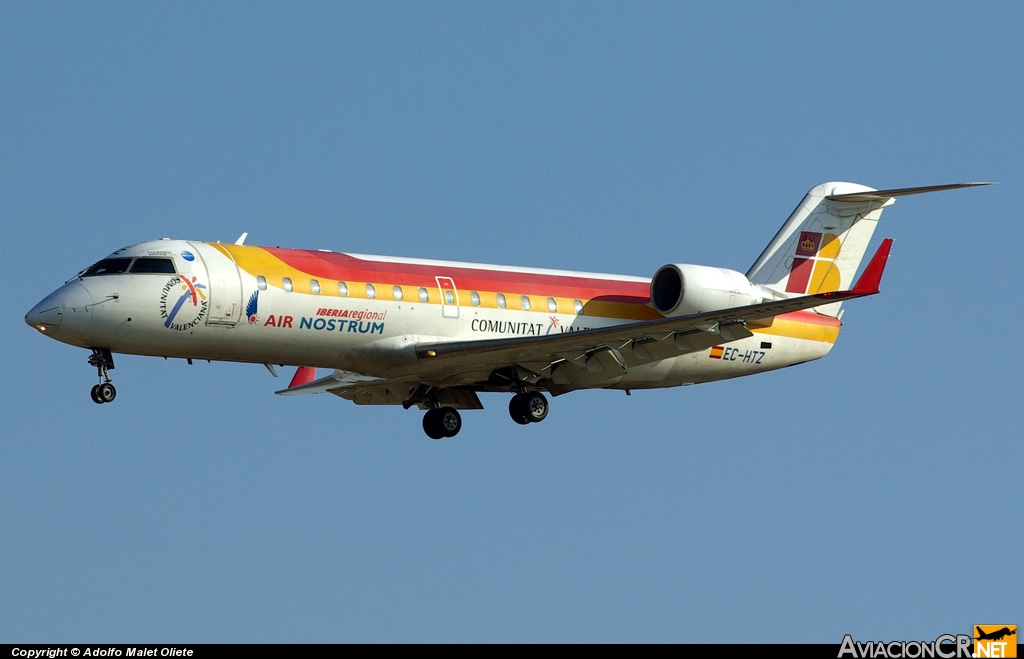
{"x": 796, "y": 329}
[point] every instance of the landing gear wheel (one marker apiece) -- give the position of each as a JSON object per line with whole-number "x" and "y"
{"x": 106, "y": 392}
{"x": 449, "y": 420}
{"x": 517, "y": 411}
{"x": 95, "y": 394}
{"x": 535, "y": 406}
{"x": 432, "y": 425}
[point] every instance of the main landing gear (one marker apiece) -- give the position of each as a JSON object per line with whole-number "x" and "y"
{"x": 528, "y": 407}
{"x": 103, "y": 392}
{"x": 442, "y": 422}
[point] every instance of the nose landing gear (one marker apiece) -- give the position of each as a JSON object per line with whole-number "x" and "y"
{"x": 103, "y": 392}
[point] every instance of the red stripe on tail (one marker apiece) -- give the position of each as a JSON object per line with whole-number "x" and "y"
{"x": 872, "y": 275}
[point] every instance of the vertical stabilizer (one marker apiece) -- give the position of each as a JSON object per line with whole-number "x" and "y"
{"x": 821, "y": 245}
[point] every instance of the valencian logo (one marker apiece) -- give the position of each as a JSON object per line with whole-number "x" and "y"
{"x": 183, "y": 303}
{"x": 995, "y": 641}
{"x": 553, "y": 325}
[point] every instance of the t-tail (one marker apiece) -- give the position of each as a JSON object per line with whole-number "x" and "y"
{"x": 822, "y": 244}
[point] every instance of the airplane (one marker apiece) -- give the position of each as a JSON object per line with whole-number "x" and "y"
{"x": 435, "y": 334}
{"x": 996, "y": 635}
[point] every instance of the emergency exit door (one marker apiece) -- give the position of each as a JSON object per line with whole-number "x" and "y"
{"x": 449, "y": 297}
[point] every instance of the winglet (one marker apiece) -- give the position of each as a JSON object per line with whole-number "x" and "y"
{"x": 304, "y": 375}
{"x": 872, "y": 275}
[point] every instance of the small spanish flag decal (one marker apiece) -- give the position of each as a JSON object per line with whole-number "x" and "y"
{"x": 716, "y": 352}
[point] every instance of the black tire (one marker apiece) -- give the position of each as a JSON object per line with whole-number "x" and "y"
{"x": 535, "y": 406}
{"x": 95, "y": 394}
{"x": 432, "y": 425}
{"x": 449, "y": 421}
{"x": 515, "y": 410}
{"x": 106, "y": 392}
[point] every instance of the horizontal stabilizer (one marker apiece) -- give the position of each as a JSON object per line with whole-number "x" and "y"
{"x": 880, "y": 195}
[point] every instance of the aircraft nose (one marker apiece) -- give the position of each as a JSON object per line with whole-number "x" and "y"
{"x": 46, "y": 315}
{"x": 63, "y": 314}
{"x": 77, "y": 309}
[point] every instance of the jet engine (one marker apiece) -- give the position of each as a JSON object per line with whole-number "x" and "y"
{"x": 680, "y": 289}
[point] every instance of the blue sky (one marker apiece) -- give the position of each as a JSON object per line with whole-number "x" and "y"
{"x": 875, "y": 492}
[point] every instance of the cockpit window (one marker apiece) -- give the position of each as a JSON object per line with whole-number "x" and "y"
{"x": 160, "y": 266}
{"x": 107, "y": 267}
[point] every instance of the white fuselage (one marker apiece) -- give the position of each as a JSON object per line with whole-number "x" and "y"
{"x": 297, "y": 313}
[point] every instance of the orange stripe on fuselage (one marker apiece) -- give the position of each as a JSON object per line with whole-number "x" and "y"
{"x": 602, "y": 297}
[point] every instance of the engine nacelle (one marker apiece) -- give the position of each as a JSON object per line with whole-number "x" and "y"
{"x": 680, "y": 289}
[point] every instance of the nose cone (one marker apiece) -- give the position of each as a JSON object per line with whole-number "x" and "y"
{"x": 46, "y": 315}
{"x": 63, "y": 314}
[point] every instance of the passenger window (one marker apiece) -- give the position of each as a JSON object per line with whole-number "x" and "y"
{"x": 159, "y": 266}
{"x": 524, "y": 300}
{"x": 474, "y": 297}
{"x": 552, "y": 305}
{"x": 424, "y": 295}
{"x": 342, "y": 289}
{"x": 398, "y": 293}
{"x": 371, "y": 292}
{"x": 578, "y": 306}
{"x": 261, "y": 283}
{"x": 501, "y": 300}
{"x": 449, "y": 297}
{"x": 314, "y": 286}
{"x": 287, "y": 284}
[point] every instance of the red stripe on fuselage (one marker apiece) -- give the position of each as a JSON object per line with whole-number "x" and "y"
{"x": 344, "y": 267}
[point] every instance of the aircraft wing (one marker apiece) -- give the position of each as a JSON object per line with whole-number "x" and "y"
{"x": 368, "y": 390}
{"x": 640, "y": 342}
{"x": 347, "y": 380}
{"x": 457, "y": 369}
